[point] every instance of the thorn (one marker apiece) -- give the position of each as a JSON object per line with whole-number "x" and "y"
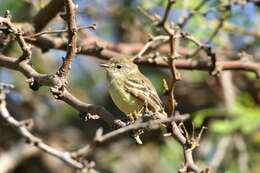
{"x": 118, "y": 124}
{"x": 201, "y": 132}
{"x": 165, "y": 86}
{"x": 167, "y": 134}
{"x": 138, "y": 140}
{"x": 99, "y": 134}
{"x": 193, "y": 131}
{"x": 27, "y": 123}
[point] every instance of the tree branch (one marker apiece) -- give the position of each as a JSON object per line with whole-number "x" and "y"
{"x": 109, "y": 50}
{"x": 139, "y": 124}
{"x": 46, "y": 14}
{"x": 37, "y": 80}
{"x": 72, "y": 38}
{"x": 23, "y": 128}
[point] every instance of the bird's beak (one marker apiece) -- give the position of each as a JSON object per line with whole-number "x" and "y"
{"x": 104, "y": 65}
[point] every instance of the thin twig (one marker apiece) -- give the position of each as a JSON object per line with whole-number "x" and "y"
{"x": 166, "y": 13}
{"x": 26, "y": 48}
{"x": 148, "y": 125}
{"x": 243, "y": 157}
{"x": 72, "y": 38}
{"x": 185, "y": 19}
{"x": 93, "y": 27}
{"x": 148, "y": 44}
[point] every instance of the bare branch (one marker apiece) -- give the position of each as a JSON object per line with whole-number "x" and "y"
{"x": 187, "y": 144}
{"x": 46, "y": 14}
{"x": 93, "y": 26}
{"x": 17, "y": 153}
{"x": 37, "y": 80}
{"x": 72, "y": 38}
{"x": 166, "y": 13}
{"x": 148, "y": 125}
{"x": 26, "y": 48}
{"x": 185, "y": 19}
{"x": 94, "y": 47}
{"x": 148, "y": 44}
{"x": 22, "y": 128}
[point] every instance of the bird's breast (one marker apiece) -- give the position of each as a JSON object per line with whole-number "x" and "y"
{"x": 122, "y": 99}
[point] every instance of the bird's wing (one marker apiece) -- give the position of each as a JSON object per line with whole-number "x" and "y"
{"x": 141, "y": 88}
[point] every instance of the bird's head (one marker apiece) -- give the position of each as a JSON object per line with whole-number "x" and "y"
{"x": 119, "y": 67}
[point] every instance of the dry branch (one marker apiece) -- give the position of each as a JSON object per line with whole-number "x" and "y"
{"x": 23, "y": 128}
{"x": 12, "y": 157}
{"x": 148, "y": 125}
{"x": 93, "y": 47}
{"x": 72, "y": 38}
{"x": 46, "y": 14}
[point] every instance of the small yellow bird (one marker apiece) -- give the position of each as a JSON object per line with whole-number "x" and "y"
{"x": 129, "y": 89}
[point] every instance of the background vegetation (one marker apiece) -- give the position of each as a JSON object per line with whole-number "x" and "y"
{"x": 226, "y": 102}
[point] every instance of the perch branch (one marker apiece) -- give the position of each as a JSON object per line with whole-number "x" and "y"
{"x": 100, "y": 137}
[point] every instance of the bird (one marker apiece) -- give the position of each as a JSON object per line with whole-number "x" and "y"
{"x": 130, "y": 90}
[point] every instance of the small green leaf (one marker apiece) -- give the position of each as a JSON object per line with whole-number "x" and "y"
{"x": 202, "y": 114}
{"x": 223, "y": 126}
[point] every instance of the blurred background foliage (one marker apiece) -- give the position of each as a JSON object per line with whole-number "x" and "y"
{"x": 198, "y": 93}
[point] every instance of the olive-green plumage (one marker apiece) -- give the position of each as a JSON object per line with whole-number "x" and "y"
{"x": 129, "y": 88}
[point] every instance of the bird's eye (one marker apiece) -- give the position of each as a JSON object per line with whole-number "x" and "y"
{"x": 118, "y": 66}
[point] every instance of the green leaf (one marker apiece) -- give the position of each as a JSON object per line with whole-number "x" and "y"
{"x": 171, "y": 154}
{"x": 223, "y": 126}
{"x": 246, "y": 117}
{"x": 147, "y": 4}
{"x": 12, "y": 5}
{"x": 202, "y": 114}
